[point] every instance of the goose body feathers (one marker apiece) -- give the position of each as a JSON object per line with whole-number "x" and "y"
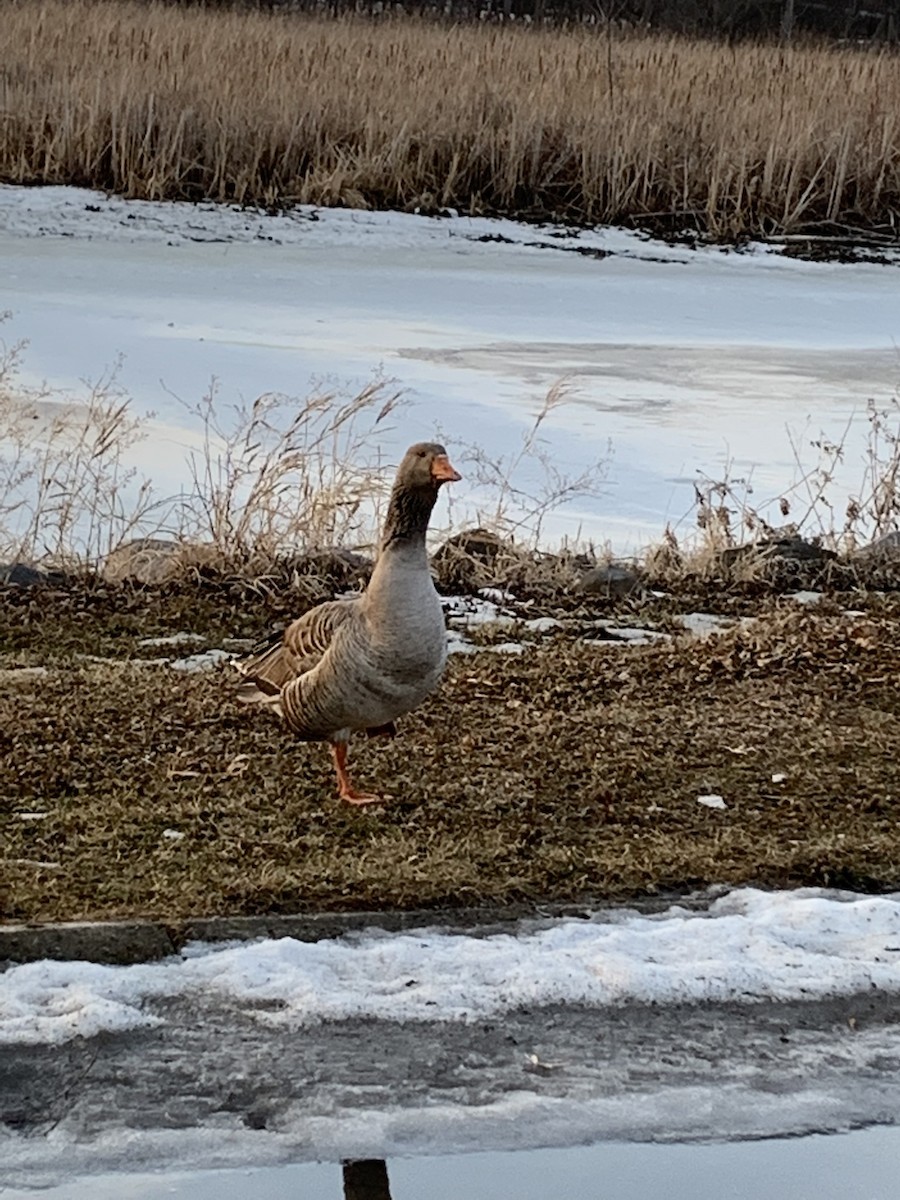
{"x": 359, "y": 664}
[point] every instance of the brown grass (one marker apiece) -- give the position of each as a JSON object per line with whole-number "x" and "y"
{"x": 267, "y": 108}
{"x": 569, "y": 773}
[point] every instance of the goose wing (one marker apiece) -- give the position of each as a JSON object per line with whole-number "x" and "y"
{"x": 285, "y": 656}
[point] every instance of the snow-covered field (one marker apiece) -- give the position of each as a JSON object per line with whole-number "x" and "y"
{"x": 679, "y": 360}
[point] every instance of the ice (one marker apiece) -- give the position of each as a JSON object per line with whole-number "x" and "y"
{"x": 679, "y": 360}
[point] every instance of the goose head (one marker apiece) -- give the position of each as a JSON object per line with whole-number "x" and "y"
{"x": 426, "y": 465}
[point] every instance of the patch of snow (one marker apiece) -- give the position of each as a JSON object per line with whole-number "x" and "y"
{"x": 206, "y": 661}
{"x": 542, "y": 624}
{"x": 468, "y": 611}
{"x": 703, "y": 624}
{"x": 636, "y": 636}
{"x": 174, "y": 639}
{"x": 779, "y": 777}
{"x": 804, "y": 597}
{"x": 457, "y": 644}
{"x": 713, "y": 800}
{"x": 747, "y": 946}
{"x": 497, "y": 595}
{"x": 72, "y": 212}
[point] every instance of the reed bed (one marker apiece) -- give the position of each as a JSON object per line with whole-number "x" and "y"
{"x": 273, "y": 109}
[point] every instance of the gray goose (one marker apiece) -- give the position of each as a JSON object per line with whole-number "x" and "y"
{"x": 359, "y": 664}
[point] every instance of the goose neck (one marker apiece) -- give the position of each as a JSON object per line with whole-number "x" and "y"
{"x": 409, "y": 512}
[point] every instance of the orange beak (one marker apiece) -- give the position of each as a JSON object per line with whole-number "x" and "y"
{"x": 442, "y": 471}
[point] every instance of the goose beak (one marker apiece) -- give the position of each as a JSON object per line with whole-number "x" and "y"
{"x": 442, "y": 472}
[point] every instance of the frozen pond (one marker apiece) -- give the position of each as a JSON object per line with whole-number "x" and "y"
{"x": 679, "y": 360}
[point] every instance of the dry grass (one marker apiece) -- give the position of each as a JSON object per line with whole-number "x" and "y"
{"x": 582, "y": 768}
{"x": 266, "y": 108}
{"x": 278, "y": 480}
{"x": 737, "y": 534}
{"x": 281, "y": 475}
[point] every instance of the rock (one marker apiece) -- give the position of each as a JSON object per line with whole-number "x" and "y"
{"x": 22, "y": 575}
{"x": 468, "y": 560}
{"x": 882, "y": 549}
{"x": 612, "y": 579}
{"x": 144, "y": 560}
{"x": 789, "y": 549}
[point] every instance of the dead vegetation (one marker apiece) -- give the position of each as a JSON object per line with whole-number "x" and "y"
{"x": 813, "y": 533}
{"x": 284, "y": 489}
{"x": 133, "y": 790}
{"x": 580, "y": 124}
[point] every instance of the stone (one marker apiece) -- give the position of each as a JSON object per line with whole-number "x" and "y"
{"x": 20, "y": 574}
{"x": 611, "y": 579}
{"x": 792, "y": 548}
{"x": 882, "y": 549}
{"x": 143, "y": 560}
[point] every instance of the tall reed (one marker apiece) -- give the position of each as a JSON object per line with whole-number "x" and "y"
{"x": 273, "y": 108}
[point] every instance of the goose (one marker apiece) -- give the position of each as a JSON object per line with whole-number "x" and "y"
{"x": 359, "y": 664}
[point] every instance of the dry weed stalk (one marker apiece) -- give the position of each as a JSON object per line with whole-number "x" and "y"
{"x": 727, "y": 515}
{"x": 282, "y": 475}
{"x": 732, "y": 140}
{"x": 526, "y": 484}
{"x": 67, "y": 495}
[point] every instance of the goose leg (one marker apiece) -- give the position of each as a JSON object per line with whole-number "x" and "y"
{"x": 346, "y": 789}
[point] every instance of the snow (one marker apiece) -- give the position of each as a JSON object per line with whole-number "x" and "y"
{"x": 80, "y": 213}
{"x": 748, "y": 946}
{"x": 703, "y": 625}
{"x": 679, "y": 360}
{"x": 207, "y": 661}
{"x": 712, "y": 800}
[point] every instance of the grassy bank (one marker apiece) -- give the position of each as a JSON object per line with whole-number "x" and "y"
{"x": 569, "y": 772}
{"x": 271, "y": 109}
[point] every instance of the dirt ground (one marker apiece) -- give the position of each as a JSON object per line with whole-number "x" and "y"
{"x": 570, "y": 772}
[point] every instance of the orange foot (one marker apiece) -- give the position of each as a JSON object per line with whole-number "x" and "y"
{"x": 346, "y": 790}
{"x": 352, "y": 796}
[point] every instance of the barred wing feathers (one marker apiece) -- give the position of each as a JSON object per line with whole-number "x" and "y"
{"x": 290, "y": 654}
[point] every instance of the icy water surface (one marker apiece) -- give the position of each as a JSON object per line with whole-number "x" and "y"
{"x": 680, "y": 361}
{"x": 858, "y": 1166}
